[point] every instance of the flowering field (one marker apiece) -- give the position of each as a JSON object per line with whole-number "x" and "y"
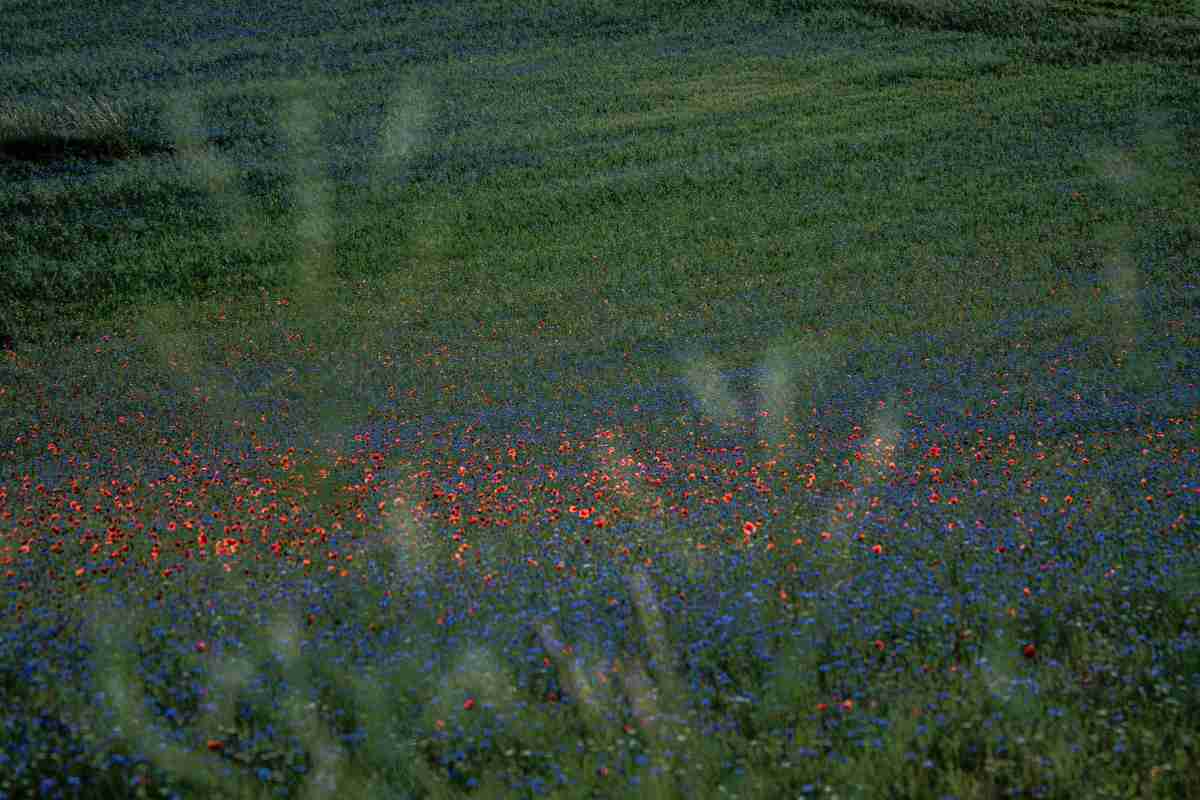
{"x": 895, "y": 586}
{"x": 726, "y": 402}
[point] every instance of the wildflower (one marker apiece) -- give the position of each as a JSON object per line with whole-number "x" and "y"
{"x": 201, "y": 646}
{"x": 1029, "y": 650}
{"x": 469, "y": 704}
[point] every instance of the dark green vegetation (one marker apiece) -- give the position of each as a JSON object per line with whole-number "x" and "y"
{"x": 758, "y": 400}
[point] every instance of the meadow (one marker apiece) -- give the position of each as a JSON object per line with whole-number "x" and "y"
{"x": 600, "y": 399}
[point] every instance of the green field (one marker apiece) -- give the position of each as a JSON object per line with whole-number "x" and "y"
{"x": 600, "y": 399}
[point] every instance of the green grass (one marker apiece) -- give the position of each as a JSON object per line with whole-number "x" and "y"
{"x": 237, "y": 271}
